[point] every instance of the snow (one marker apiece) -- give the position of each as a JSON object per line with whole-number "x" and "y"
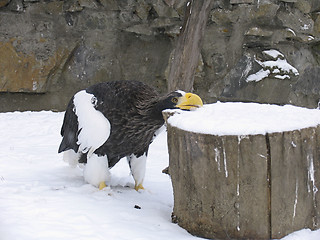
{"x": 304, "y": 234}
{"x": 273, "y": 53}
{"x": 281, "y": 64}
{"x": 306, "y": 26}
{"x": 290, "y": 30}
{"x": 258, "y": 76}
{"x": 282, "y": 76}
{"x": 278, "y": 65}
{"x": 42, "y": 197}
{"x": 245, "y": 118}
{"x": 310, "y": 38}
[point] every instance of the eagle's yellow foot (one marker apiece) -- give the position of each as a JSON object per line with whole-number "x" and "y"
{"x": 102, "y": 185}
{"x": 138, "y": 187}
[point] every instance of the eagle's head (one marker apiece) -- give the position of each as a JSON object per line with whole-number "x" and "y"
{"x": 180, "y": 99}
{"x": 174, "y": 100}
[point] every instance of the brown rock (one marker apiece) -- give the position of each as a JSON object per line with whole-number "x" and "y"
{"x": 304, "y": 6}
{"x": 20, "y": 72}
{"x": 110, "y": 4}
{"x": 4, "y": 3}
{"x": 240, "y": 1}
{"x": 164, "y": 10}
{"x": 259, "y": 32}
{"x": 143, "y": 9}
{"x": 317, "y": 25}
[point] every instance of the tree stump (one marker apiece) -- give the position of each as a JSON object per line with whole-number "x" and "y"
{"x": 256, "y": 186}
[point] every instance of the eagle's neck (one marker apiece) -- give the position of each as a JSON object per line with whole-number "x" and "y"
{"x": 152, "y": 111}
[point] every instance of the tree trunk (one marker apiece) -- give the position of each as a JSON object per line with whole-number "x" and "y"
{"x": 253, "y": 186}
{"x": 187, "y": 52}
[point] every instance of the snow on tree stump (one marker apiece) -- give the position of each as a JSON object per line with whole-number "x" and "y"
{"x": 245, "y": 170}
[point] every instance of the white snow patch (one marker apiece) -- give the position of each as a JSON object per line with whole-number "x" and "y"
{"x": 295, "y": 201}
{"x": 258, "y": 76}
{"x": 304, "y": 234}
{"x": 263, "y": 156}
{"x": 34, "y": 85}
{"x": 273, "y": 53}
{"x": 290, "y": 30}
{"x": 282, "y": 76}
{"x": 245, "y": 118}
{"x": 310, "y": 38}
{"x": 311, "y": 174}
{"x": 43, "y": 198}
{"x": 225, "y": 160}
{"x": 160, "y": 130}
{"x": 281, "y": 64}
{"x": 278, "y": 66}
{"x": 217, "y": 157}
{"x": 95, "y": 128}
{"x": 306, "y": 26}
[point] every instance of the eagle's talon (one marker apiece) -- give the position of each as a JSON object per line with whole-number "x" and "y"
{"x": 102, "y": 185}
{"x": 138, "y": 187}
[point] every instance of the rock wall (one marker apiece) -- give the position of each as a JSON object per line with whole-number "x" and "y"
{"x": 234, "y": 52}
{"x": 49, "y": 49}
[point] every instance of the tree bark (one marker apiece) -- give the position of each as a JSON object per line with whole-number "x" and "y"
{"x": 245, "y": 187}
{"x": 187, "y": 52}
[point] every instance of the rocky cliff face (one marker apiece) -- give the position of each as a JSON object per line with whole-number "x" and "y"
{"x": 241, "y": 35}
{"x": 254, "y": 50}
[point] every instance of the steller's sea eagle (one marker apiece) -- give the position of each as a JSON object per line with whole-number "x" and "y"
{"x": 112, "y": 120}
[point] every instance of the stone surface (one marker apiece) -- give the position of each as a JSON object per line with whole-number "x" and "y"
{"x": 289, "y": 1}
{"x": 21, "y": 72}
{"x": 317, "y": 25}
{"x": 240, "y": 1}
{"x": 258, "y": 32}
{"x": 4, "y": 3}
{"x": 67, "y": 45}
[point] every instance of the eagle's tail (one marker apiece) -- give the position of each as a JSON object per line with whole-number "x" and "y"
{"x": 64, "y": 145}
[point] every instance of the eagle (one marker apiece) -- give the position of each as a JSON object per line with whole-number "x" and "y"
{"x": 116, "y": 119}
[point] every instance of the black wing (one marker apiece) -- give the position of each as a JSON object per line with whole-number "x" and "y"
{"x": 69, "y": 130}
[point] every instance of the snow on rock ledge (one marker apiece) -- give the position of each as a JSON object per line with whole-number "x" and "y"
{"x": 244, "y": 119}
{"x": 278, "y": 67}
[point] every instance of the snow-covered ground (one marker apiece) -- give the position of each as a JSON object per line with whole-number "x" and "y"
{"x": 41, "y": 197}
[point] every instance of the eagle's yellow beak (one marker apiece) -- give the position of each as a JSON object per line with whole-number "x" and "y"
{"x": 189, "y": 101}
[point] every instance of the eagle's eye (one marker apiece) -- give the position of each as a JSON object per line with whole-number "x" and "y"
{"x": 94, "y": 101}
{"x": 174, "y": 100}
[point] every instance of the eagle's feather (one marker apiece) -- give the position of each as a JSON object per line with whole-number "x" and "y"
{"x": 113, "y": 120}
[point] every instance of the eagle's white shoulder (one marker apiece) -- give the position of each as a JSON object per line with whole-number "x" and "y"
{"x": 94, "y": 127}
